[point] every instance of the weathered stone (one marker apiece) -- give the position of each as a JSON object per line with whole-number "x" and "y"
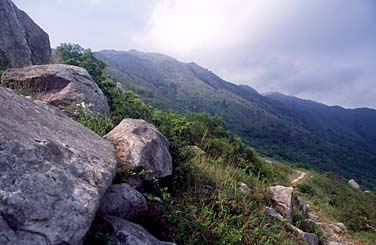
{"x": 122, "y": 201}
{"x": 22, "y": 42}
{"x": 354, "y": 184}
{"x": 141, "y": 146}
{"x": 53, "y": 173}
{"x": 127, "y": 233}
{"x": 303, "y": 207}
{"x": 274, "y": 214}
{"x": 309, "y": 238}
{"x": 60, "y": 85}
{"x": 283, "y": 197}
{"x": 246, "y": 189}
{"x": 332, "y": 231}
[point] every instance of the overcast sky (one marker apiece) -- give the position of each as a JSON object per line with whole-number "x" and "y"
{"x": 323, "y": 50}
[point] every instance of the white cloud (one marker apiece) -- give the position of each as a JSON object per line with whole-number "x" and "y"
{"x": 304, "y": 48}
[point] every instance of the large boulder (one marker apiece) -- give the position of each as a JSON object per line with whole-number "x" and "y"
{"x": 53, "y": 171}
{"x": 282, "y": 196}
{"x": 121, "y": 200}
{"x": 22, "y": 42}
{"x": 141, "y": 146}
{"x": 61, "y": 85}
{"x": 128, "y": 233}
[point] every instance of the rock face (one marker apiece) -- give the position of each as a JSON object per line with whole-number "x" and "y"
{"x": 141, "y": 146}
{"x": 59, "y": 85}
{"x": 127, "y": 233}
{"x": 309, "y": 238}
{"x": 332, "y": 231}
{"x": 354, "y": 184}
{"x": 283, "y": 197}
{"x": 122, "y": 201}
{"x": 22, "y": 42}
{"x": 303, "y": 207}
{"x": 53, "y": 173}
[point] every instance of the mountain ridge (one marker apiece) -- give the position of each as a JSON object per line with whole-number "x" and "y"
{"x": 270, "y": 125}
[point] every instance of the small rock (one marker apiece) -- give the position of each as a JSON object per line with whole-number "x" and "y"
{"x": 274, "y": 214}
{"x": 245, "y": 189}
{"x": 354, "y": 184}
{"x": 128, "y": 233}
{"x": 122, "y": 201}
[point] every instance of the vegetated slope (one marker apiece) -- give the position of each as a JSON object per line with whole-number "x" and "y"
{"x": 266, "y": 123}
{"x": 354, "y": 129}
{"x": 201, "y": 203}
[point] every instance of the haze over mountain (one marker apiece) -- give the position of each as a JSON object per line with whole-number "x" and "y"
{"x": 311, "y": 49}
{"x": 325, "y": 137}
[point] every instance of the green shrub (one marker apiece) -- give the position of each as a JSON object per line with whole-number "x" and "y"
{"x": 99, "y": 123}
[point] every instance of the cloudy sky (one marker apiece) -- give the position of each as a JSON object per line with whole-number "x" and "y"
{"x": 316, "y": 49}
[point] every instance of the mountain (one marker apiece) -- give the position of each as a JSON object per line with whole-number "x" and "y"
{"x": 22, "y": 42}
{"x": 327, "y": 138}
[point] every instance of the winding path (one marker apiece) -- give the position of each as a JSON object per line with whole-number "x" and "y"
{"x": 301, "y": 176}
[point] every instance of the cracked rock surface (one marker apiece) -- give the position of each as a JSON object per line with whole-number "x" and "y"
{"x": 53, "y": 172}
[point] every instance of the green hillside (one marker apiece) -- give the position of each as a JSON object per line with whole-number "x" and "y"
{"x": 326, "y": 142}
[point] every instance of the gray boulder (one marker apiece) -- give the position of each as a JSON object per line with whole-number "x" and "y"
{"x": 302, "y": 206}
{"x": 141, "y": 146}
{"x": 53, "y": 171}
{"x": 22, "y": 42}
{"x": 332, "y": 231}
{"x": 128, "y": 233}
{"x": 282, "y": 196}
{"x": 274, "y": 214}
{"x": 309, "y": 238}
{"x": 61, "y": 85}
{"x": 354, "y": 184}
{"x": 122, "y": 201}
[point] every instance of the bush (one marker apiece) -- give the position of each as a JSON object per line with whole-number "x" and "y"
{"x": 99, "y": 123}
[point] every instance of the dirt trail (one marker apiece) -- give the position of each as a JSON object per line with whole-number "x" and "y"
{"x": 301, "y": 176}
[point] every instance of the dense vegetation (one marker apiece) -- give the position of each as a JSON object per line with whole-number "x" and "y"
{"x": 201, "y": 203}
{"x": 326, "y": 138}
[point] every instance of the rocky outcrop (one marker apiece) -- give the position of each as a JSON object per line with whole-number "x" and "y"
{"x": 141, "y": 146}
{"x": 22, "y": 42}
{"x": 53, "y": 173}
{"x": 127, "y": 233}
{"x": 302, "y": 206}
{"x": 282, "y": 196}
{"x": 309, "y": 238}
{"x": 122, "y": 201}
{"x": 332, "y": 231}
{"x": 354, "y": 184}
{"x": 61, "y": 85}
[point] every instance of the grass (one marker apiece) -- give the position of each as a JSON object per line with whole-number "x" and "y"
{"x": 206, "y": 206}
{"x": 333, "y": 200}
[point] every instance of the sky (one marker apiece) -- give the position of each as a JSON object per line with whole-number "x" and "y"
{"x": 324, "y": 50}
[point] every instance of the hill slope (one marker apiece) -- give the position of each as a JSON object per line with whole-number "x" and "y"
{"x": 335, "y": 139}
